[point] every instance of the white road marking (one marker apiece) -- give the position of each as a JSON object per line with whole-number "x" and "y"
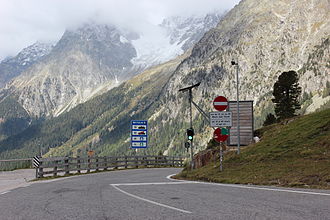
{"x": 170, "y": 178}
{"x": 147, "y": 200}
{"x": 145, "y": 184}
{"x": 4, "y": 192}
{"x": 252, "y": 187}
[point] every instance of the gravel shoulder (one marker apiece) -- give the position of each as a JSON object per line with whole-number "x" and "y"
{"x": 13, "y": 179}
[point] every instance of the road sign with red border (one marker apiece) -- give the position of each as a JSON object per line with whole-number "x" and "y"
{"x": 220, "y": 134}
{"x": 220, "y": 103}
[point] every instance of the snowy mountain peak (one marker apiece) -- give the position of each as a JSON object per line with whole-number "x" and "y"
{"x": 172, "y": 37}
{"x": 34, "y": 52}
{"x": 14, "y": 66}
{"x": 186, "y": 31}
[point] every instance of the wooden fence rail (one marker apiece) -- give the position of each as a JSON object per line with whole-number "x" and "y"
{"x": 69, "y": 165}
{"x": 12, "y": 164}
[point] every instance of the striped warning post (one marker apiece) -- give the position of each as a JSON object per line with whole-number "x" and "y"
{"x": 36, "y": 161}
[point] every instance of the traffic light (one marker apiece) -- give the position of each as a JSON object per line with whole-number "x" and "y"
{"x": 190, "y": 134}
{"x": 187, "y": 146}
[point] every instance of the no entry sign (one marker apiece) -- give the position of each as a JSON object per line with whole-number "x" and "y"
{"x": 220, "y": 134}
{"x": 220, "y": 103}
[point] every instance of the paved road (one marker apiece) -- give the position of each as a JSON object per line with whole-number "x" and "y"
{"x": 148, "y": 194}
{"x": 18, "y": 178}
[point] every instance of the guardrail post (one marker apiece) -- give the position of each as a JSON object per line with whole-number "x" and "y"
{"x": 145, "y": 162}
{"x": 115, "y": 163}
{"x": 78, "y": 164}
{"x": 40, "y": 170}
{"x": 89, "y": 164}
{"x": 105, "y": 163}
{"x": 136, "y": 162}
{"x": 66, "y": 166}
{"x": 55, "y": 168}
{"x": 97, "y": 164}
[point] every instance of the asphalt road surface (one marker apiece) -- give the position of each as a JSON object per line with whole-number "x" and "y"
{"x": 149, "y": 194}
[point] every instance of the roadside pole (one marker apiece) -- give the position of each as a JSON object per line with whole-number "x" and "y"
{"x": 191, "y": 123}
{"x": 221, "y": 156}
{"x": 222, "y": 120}
{"x": 191, "y": 141}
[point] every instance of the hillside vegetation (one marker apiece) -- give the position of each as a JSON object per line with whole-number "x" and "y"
{"x": 293, "y": 153}
{"x": 101, "y": 124}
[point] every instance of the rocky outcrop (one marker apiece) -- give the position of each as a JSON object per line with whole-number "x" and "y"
{"x": 266, "y": 38}
{"x": 14, "y": 66}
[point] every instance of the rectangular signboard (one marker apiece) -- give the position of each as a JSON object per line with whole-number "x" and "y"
{"x": 246, "y": 122}
{"x": 220, "y": 119}
{"x": 139, "y": 134}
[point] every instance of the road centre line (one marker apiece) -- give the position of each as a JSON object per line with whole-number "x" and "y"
{"x": 251, "y": 187}
{"x": 147, "y": 200}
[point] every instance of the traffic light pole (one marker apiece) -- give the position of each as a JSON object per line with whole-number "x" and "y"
{"x": 191, "y": 126}
{"x": 191, "y": 123}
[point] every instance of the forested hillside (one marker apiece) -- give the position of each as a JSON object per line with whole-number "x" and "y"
{"x": 101, "y": 124}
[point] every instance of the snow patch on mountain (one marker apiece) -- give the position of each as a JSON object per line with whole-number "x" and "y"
{"x": 171, "y": 38}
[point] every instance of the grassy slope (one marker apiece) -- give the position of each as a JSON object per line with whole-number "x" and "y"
{"x": 295, "y": 154}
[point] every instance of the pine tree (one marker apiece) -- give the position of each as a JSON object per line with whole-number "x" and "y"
{"x": 270, "y": 119}
{"x": 286, "y": 93}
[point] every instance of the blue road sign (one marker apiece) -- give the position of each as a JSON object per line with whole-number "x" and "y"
{"x": 139, "y": 134}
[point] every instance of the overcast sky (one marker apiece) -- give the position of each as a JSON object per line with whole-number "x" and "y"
{"x": 23, "y": 22}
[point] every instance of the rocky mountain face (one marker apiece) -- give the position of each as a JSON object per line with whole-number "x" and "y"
{"x": 13, "y": 66}
{"x": 265, "y": 37}
{"x": 94, "y": 58}
{"x": 83, "y": 62}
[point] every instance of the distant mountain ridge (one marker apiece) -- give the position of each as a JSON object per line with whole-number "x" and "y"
{"x": 14, "y": 66}
{"x": 94, "y": 58}
{"x": 265, "y": 37}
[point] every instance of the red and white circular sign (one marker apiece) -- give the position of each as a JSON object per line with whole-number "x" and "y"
{"x": 220, "y": 103}
{"x": 218, "y": 137}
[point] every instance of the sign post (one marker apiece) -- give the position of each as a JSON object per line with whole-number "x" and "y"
{"x": 220, "y": 135}
{"x": 221, "y": 120}
{"x": 139, "y": 134}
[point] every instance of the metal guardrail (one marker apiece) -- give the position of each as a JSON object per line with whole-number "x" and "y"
{"x": 12, "y": 164}
{"x": 70, "y": 165}
{"x": 15, "y": 160}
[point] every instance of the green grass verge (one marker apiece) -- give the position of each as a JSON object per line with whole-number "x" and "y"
{"x": 295, "y": 153}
